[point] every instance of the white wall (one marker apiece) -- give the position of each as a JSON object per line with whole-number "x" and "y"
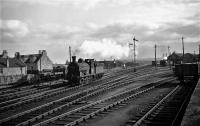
{"x": 14, "y": 71}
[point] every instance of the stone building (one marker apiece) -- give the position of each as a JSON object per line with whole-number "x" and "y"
{"x": 11, "y": 66}
{"x": 12, "y": 70}
{"x": 4, "y": 54}
{"x": 36, "y": 63}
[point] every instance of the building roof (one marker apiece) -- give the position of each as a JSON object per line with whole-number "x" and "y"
{"x": 13, "y": 62}
{"x": 32, "y": 58}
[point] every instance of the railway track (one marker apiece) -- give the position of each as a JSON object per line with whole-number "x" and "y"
{"x": 118, "y": 72}
{"x": 43, "y": 93}
{"x": 15, "y": 94}
{"x": 87, "y": 111}
{"x": 8, "y": 94}
{"x": 27, "y": 90}
{"x": 75, "y": 100}
{"x": 39, "y": 112}
{"x": 167, "y": 111}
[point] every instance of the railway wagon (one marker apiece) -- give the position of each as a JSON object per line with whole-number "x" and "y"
{"x": 199, "y": 68}
{"x": 186, "y": 71}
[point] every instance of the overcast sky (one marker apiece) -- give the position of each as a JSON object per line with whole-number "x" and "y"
{"x": 98, "y": 29}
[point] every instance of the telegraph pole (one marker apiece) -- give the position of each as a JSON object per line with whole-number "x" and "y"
{"x": 199, "y": 53}
{"x": 183, "y": 48}
{"x": 168, "y": 50}
{"x": 155, "y": 56}
{"x": 182, "y": 62}
{"x": 134, "y": 54}
{"x": 70, "y": 54}
{"x": 130, "y": 44}
{"x": 168, "y": 56}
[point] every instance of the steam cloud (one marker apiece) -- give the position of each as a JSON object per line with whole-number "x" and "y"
{"x": 104, "y": 49}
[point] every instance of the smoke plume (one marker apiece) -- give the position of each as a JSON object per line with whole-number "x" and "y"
{"x": 104, "y": 49}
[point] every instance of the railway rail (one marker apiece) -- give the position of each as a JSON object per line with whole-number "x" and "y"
{"x": 48, "y": 93}
{"x": 10, "y": 94}
{"x": 77, "y": 100}
{"x": 22, "y": 91}
{"x": 167, "y": 111}
{"x": 87, "y": 111}
{"x": 27, "y": 90}
{"x": 23, "y": 113}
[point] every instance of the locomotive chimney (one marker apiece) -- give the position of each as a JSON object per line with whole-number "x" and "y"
{"x": 17, "y": 55}
{"x": 73, "y": 59}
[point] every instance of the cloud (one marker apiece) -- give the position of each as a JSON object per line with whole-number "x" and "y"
{"x": 166, "y": 32}
{"x": 85, "y": 4}
{"x": 119, "y": 31}
{"x": 56, "y": 31}
{"x": 191, "y": 30}
{"x": 103, "y": 49}
{"x": 83, "y": 24}
{"x": 13, "y": 28}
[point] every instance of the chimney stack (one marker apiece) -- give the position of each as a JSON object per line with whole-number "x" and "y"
{"x": 43, "y": 52}
{"x": 5, "y": 54}
{"x": 7, "y": 62}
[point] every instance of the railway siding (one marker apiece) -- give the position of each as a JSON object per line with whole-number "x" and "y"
{"x": 99, "y": 106}
{"x": 137, "y": 77}
{"x": 108, "y": 88}
{"x": 55, "y": 92}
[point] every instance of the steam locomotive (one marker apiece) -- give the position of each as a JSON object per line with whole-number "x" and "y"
{"x": 83, "y": 71}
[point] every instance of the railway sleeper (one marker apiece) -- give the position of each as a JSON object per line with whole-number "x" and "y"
{"x": 81, "y": 114}
{"x": 149, "y": 123}
{"x": 160, "y": 119}
{"x": 88, "y": 111}
{"x": 75, "y": 116}
{"x": 167, "y": 114}
{"x": 130, "y": 122}
{"x": 60, "y": 122}
{"x": 170, "y": 112}
{"x": 137, "y": 117}
{"x": 67, "y": 119}
{"x": 92, "y": 109}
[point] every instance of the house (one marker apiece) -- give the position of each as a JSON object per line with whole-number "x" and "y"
{"x": 36, "y": 63}
{"x": 11, "y": 66}
{"x": 175, "y": 58}
{"x": 4, "y": 54}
